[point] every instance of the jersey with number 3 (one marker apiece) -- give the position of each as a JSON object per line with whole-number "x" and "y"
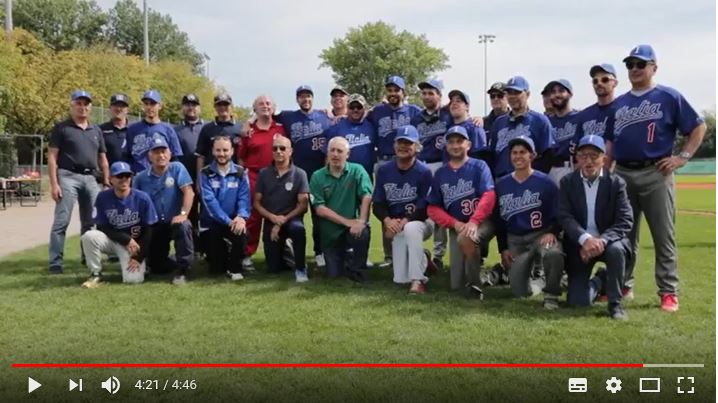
{"x": 645, "y": 126}
{"x": 130, "y": 215}
{"x": 403, "y": 191}
{"x": 527, "y": 206}
{"x": 458, "y": 191}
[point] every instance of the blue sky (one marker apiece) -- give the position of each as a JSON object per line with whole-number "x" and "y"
{"x": 273, "y": 46}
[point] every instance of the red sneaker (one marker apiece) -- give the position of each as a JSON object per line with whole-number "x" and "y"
{"x": 669, "y": 302}
{"x": 417, "y": 287}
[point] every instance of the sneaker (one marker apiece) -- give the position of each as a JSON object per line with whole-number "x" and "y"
{"x": 179, "y": 279}
{"x": 615, "y": 311}
{"x": 669, "y": 302}
{"x": 550, "y": 303}
{"x": 499, "y": 272}
{"x": 627, "y": 294}
{"x": 319, "y": 259}
{"x": 235, "y": 276}
{"x": 473, "y": 291}
{"x": 417, "y": 287}
{"x": 301, "y": 275}
{"x": 247, "y": 264}
{"x": 431, "y": 268}
{"x": 55, "y": 270}
{"x": 369, "y": 264}
{"x": 386, "y": 263}
{"x": 438, "y": 262}
{"x": 93, "y": 282}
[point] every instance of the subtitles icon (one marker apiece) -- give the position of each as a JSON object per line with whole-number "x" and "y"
{"x": 650, "y": 385}
{"x": 111, "y": 385}
{"x": 577, "y": 385}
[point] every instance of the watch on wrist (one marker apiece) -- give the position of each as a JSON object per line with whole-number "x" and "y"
{"x": 685, "y": 155}
{"x": 183, "y": 212}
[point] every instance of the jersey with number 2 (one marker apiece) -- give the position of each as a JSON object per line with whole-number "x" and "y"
{"x": 527, "y": 206}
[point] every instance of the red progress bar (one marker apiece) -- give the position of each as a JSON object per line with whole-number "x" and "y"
{"x": 320, "y": 365}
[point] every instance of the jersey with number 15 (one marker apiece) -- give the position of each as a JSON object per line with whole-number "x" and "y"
{"x": 307, "y": 133}
{"x": 458, "y": 191}
{"x": 527, "y": 206}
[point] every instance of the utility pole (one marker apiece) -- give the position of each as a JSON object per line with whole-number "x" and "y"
{"x": 485, "y": 39}
{"x": 146, "y": 36}
{"x": 8, "y": 18}
{"x": 206, "y": 59}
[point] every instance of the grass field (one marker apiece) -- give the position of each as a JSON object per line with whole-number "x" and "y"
{"x": 270, "y": 319}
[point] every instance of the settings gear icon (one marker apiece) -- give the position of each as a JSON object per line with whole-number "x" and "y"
{"x": 613, "y": 385}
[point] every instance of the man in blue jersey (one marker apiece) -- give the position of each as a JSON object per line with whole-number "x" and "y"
{"x": 140, "y": 135}
{"x": 358, "y": 131}
{"x": 400, "y": 204}
{"x": 597, "y": 118}
{"x": 124, "y": 219}
{"x": 459, "y": 110}
{"x": 305, "y": 127}
{"x": 564, "y": 127}
{"x": 647, "y": 119}
{"x": 527, "y": 225}
{"x": 462, "y": 199}
{"x": 520, "y": 121}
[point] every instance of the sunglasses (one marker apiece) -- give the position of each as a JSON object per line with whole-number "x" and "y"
{"x": 496, "y": 96}
{"x": 355, "y": 107}
{"x": 641, "y": 64}
{"x": 603, "y": 80}
{"x": 279, "y": 148}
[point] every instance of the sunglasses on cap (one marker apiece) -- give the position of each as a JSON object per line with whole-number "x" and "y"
{"x": 279, "y": 148}
{"x": 641, "y": 64}
{"x": 496, "y": 95}
{"x": 603, "y": 80}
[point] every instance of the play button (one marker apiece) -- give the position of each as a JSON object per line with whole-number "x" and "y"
{"x": 32, "y": 385}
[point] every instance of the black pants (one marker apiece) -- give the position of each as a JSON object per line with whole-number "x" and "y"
{"x": 226, "y": 249}
{"x": 579, "y": 273}
{"x": 158, "y": 256}
{"x": 274, "y": 251}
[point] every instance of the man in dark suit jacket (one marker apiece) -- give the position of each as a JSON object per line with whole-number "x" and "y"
{"x": 596, "y": 218}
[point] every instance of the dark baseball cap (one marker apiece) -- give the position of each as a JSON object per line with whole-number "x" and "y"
{"x": 496, "y": 87}
{"x": 190, "y": 99}
{"x": 81, "y": 94}
{"x": 120, "y": 98}
{"x": 304, "y": 88}
{"x": 222, "y": 99}
{"x": 338, "y": 88}
{"x": 460, "y": 93}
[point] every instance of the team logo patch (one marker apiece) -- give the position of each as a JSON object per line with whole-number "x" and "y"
{"x": 289, "y": 186}
{"x": 169, "y": 182}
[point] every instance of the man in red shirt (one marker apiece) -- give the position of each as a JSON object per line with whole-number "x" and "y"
{"x": 255, "y": 153}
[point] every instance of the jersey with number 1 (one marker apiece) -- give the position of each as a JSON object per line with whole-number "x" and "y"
{"x": 528, "y": 206}
{"x": 458, "y": 191}
{"x": 307, "y": 133}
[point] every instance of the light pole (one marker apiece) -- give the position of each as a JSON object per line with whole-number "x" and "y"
{"x": 206, "y": 59}
{"x": 146, "y": 35}
{"x": 485, "y": 39}
{"x": 8, "y": 18}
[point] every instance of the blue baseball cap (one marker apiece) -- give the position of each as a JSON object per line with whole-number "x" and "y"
{"x": 605, "y": 67}
{"x": 435, "y": 84}
{"x": 304, "y": 88}
{"x": 119, "y": 168}
{"x": 158, "y": 142}
{"x": 460, "y": 93}
{"x": 152, "y": 95}
{"x": 454, "y": 130}
{"x": 517, "y": 83}
{"x": 643, "y": 52}
{"x": 592, "y": 140}
{"x": 395, "y": 80}
{"x": 407, "y": 132}
{"x": 562, "y": 82}
{"x": 524, "y": 140}
{"x": 81, "y": 94}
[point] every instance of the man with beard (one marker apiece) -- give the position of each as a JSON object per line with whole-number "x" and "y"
{"x": 564, "y": 128}
{"x": 115, "y": 130}
{"x": 546, "y": 99}
{"x": 594, "y": 120}
{"x": 359, "y": 132}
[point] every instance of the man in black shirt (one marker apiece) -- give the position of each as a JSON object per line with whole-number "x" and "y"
{"x": 115, "y": 130}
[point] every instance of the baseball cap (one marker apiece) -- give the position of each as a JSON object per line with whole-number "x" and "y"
{"x": 222, "y": 99}
{"x": 338, "y": 88}
{"x": 525, "y": 140}
{"x": 435, "y": 84}
{"x": 453, "y": 130}
{"x": 643, "y": 52}
{"x": 152, "y": 95}
{"x": 605, "y": 67}
{"x": 357, "y": 98}
{"x": 517, "y": 83}
{"x": 304, "y": 88}
{"x": 460, "y": 93}
{"x": 395, "y": 80}
{"x": 496, "y": 87}
{"x": 158, "y": 142}
{"x": 562, "y": 82}
{"x": 592, "y": 140}
{"x": 119, "y": 168}
{"x": 190, "y": 99}
{"x": 119, "y": 98}
{"x": 407, "y": 132}
{"x": 80, "y": 94}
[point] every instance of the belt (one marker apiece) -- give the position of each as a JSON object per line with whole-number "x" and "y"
{"x": 82, "y": 171}
{"x": 634, "y": 165}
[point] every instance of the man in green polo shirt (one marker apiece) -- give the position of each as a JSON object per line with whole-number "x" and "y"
{"x": 341, "y": 193}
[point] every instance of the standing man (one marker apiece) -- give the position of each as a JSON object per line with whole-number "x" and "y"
{"x": 306, "y": 127}
{"x": 564, "y": 127}
{"x": 281, "y": 197}
{"x": 594, "y": 120}
{"x": 226, "y": 206}
{"x": 255, "y": 154}
{"x": 547, "y": 104}
{"x": 359, "y": 132}
{"x": 499, "y": 105}
{"x": 596, "y": 218}
{"x": 341, "y": 193}
{"x": 115, "y": 130}
{"x": 170, "y": 187}
{"x": 527, "y": 224}
{"x": 462, "y": 199}
{"x": 188, "y": 133}
{"x": 141, "y": 135}
{"x": 646, "y": 121}
{"x": 124, "y": 218}
{"x": 76, "y": 154}
{"x": 459, "y": 111}
{"x": 223, "y": 125}
{"x": 339, "y": 99}
{"x": 400, "y": 204}
{"x": 520, "y": 121}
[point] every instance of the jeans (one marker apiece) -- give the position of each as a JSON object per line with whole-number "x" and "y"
{"x": 274, "y": 251}
{"x": 162, "y": 234}
{"x": 341, "y": 261}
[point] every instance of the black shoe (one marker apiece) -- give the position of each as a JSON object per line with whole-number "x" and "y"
{"x": 438, "y": 262}
{"x": 356, "y": 276}
{"x": 473, "y": 291}
{"x": 615, "y": 311}
{"x": 55, "y": 270}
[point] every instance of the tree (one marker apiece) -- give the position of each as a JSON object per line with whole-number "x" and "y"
{"x": 367, "y": 55}
{"x": 708, "y": 147}
{"x": 62, "y": 24}
{"x": 166, "y": 41}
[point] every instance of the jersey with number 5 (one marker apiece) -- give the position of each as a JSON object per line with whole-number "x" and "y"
{"x": 131, "y": 215}
{"x": 528, "y": 206}
{"x": 458, "y": 191}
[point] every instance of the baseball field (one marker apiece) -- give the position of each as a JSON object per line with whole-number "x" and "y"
{"x": 271, "y": 319}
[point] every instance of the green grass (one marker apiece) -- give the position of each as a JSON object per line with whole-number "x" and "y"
{"x": 695, "y": 179}
{"x": 697, "y": 199}
{"x": 272, "y": 319}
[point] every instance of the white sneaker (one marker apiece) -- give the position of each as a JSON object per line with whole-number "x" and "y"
{"x": 235, "y": 276}
{"x": 180, "y": 279}
{"x": 92, "y": 282}
{"x": 247, "y": 264}
{"x": 319, "y": 259}
{"x": 301, "y": 276}
{"x": 369, "y": 263}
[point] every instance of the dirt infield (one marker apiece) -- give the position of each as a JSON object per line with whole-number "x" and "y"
{"x": 695, "y": 186}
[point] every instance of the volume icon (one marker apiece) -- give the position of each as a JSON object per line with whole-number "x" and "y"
{"x": 111, "y": 385}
